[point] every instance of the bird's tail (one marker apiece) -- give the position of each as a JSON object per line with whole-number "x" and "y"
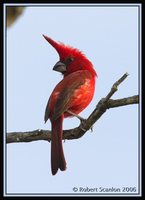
{"x": 57, "y": 154}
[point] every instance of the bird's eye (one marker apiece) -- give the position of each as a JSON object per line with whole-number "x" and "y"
{"x": 69, "y": 60}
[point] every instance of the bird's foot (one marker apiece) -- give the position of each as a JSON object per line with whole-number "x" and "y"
{"x": 82, "y": 120}
{"x": 75, "y": 115}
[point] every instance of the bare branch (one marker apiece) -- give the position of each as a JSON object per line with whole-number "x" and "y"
{"x": 123, "y": 102}
{"x": 102, "y": 106}
{"x": 115, "y": 86}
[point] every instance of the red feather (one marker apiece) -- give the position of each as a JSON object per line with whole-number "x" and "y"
{"x": 73, "y": 93}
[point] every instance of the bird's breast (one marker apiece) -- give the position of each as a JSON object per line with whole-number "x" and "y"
{"x": 82, "y": 96}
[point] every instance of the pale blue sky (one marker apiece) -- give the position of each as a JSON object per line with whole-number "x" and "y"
{"x": 108, "y": 157}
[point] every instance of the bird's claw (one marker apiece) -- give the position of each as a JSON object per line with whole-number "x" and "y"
{"x": 83, "y": 129}
{"x": 83, "y": 121}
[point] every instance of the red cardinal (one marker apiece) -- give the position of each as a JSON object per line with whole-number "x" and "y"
{"x": 70, "y": 96}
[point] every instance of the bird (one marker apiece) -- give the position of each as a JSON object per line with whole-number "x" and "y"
{"x": 70, "y": 96}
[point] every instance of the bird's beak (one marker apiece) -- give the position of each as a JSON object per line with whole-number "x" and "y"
{"x": 60, "y": 67}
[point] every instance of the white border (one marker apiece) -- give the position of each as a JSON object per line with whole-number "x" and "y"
{"x": 140, "y": 103}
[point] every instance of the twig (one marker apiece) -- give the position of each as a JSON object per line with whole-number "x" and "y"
{"x": 115, "y": 86}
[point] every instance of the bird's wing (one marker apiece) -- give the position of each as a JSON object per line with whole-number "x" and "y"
{"x": 67, "y": 88}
